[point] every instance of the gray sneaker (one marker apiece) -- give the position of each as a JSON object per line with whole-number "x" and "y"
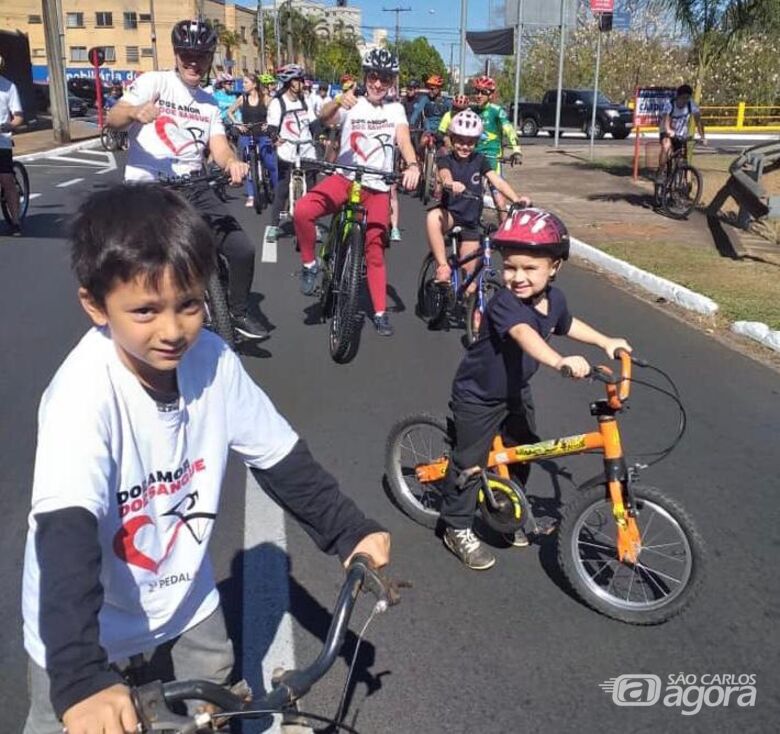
{"x": 466, "y": 546}
{"x": 309, "y": 279}
{"x": 271, "y": 233}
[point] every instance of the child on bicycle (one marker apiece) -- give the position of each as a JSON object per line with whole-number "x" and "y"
{"x": 133, "y": 438}
{"x": 491, "y": 392}
{"x": 462, "y": 170}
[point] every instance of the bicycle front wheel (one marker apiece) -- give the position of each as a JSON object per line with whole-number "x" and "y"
{"x": 416, "y": 443}
{"x": 254, "y": 172}
{"x": 670, "y": 566}
{"x": 217, "y": 311}
{"x": 296, "y": 192}
{"x": 343, "y": 332}
{"x": 682, "y": 192}
{"x": 428, "y": 176}
{"x": 431, "y": 296}
{"x": 108, "y": 139}
{"x": 476, "y": 305}
{"x": 22, "y": 181}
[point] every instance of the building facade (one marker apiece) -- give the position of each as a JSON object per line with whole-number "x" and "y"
{"x": 124, "y": 29}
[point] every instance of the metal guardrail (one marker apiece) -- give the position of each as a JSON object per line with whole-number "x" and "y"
{"x": 754, "y": 201}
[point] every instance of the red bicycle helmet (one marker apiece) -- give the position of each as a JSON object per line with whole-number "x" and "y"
{"x": 434, "y": 81}
{"x": 534, "y": 231}
{"x": 484, "y": 84}
{"x": 460, "y": 102}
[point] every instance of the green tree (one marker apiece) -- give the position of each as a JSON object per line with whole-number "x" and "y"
{"x": 336, "y": 57}
{"x": 419, "y": 60}
{"x": 229, "y": 40}
{"x": 715, "y": 26}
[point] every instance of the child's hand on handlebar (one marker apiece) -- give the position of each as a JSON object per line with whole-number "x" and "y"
{"x": 376, "y": 546}
{"x": 613, "y": 345}
{"x": 523, "y": 202}
{"x": 108, "y": 710}
{"x": 576, "y": 367}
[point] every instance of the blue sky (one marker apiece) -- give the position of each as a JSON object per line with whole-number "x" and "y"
{"x": 437, "y": 20}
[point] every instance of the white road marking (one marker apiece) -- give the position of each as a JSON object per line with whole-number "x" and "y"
{"x": 82, "y": 161}
{"x": 267, "y": 625}
{"x": 69, "y": 183}
{"x": 33, "y": 196}
{"x": 269, "y": 251}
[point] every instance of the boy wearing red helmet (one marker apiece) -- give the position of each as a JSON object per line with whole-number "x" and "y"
{"x": 490, "y": 392}
{"x": 462, "y": 170}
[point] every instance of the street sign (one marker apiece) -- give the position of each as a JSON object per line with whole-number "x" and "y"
{"x": 96, "y": 56}
{"x": 649, "y": 103}
{"x": 602, "y": 6}
{"x": 605, "y": 21}
{"x": 621, "y": 20}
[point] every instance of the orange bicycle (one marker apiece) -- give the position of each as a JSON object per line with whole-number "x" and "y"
{"x": 627, "y": 550}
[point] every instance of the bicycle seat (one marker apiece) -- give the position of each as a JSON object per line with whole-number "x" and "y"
{"x": 456, "y": 230}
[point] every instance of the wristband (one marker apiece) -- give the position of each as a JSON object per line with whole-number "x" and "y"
{"x": 413, "y": 163}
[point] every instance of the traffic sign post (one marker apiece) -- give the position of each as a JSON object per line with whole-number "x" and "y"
{"x": 602, "y": 9}
{"x": 97, "y": 58}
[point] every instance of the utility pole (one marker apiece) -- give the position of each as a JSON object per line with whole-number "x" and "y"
{"x": 278, "y": 33}
{"x": 155, "y": 64}
{"x": 261, "y": 34}
{"x": 518, "y": 49}
{"x": 463, "y": 14}
{"x": 452, "y": 45}
{"x": 290, "y": 59}
{"x": 397, "y": 11}
{"x": 560, "y": 74}
{"x": 58, "y": 96}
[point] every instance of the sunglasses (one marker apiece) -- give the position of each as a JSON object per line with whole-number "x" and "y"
{"x": 483, "y": 92}
{"x": 375, "y": 76}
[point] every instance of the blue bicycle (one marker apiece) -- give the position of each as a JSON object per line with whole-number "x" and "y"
{"x": 256, "y": 149}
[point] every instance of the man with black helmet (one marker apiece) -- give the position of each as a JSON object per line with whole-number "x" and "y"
{"x": 171, "y": 121}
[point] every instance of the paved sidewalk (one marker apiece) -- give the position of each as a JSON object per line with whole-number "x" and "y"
{"x": 35, "y": 141}
{"x": 598, "y": 206}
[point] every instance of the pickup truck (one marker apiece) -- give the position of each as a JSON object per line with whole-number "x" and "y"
{"x": 576, "y": 114}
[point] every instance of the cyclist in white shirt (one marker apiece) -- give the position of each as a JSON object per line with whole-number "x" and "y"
{"x": 10, "y": 118}
{"x": 673, "y": 127}
{"x": 289, "y": 117}
{"x": 370, "y": 130}
{"x": 171, "y": 122}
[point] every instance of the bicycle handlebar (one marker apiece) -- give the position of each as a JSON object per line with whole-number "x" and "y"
{"x": 192, "y": 179}
{"x": 618, "y": 387}
{"x": 388, "y": 176}
{"x": 153, "y": 700}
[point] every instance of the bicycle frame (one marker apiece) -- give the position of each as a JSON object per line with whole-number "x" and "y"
{"x": 605, "y": 440}
{"x": 484, "y": 253}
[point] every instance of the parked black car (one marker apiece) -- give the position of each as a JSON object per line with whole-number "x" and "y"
{"x": 84, "y": 88}
{"x": 77, "y": 107}
{"x": 576, "y": 114}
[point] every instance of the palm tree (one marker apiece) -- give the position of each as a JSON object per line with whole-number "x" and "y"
{"x": 229, "y": 40}
{"x": 714, "y": 27}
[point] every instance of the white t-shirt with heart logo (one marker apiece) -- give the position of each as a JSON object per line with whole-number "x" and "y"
{"x": 173, "y": 144}
{"x": 293, "y": 125}
{"x": 152, "y": 479}
{"x": 368, "y": 135}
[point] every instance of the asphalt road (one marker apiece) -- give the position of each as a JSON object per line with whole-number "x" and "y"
{"x": 506, "y": 650}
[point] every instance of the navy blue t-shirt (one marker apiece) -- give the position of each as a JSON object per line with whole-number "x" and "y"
{"x": 495, "y": 368}
{"x": 468, "y": 171}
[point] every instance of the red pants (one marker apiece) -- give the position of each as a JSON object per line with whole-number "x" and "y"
{"x": 327, "y": 197}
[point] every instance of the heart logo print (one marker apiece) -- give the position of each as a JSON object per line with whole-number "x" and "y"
{"x": 126, "y": 549}
{"x": 174, "y": 137}
{"x": 364, "y": 146}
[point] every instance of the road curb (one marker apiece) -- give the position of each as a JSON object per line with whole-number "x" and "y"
{"x": 62, "y": 150}
{"x": 658, "y": 286}
{"x": 759, "y": 332}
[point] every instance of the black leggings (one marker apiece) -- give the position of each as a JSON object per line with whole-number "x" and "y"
{"x": 283, "y": 189}
{"x": 475, "y": 426}
{"x": 231, "y": 241}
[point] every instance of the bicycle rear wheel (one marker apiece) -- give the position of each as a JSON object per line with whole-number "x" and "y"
{"x": 108, "y": 139}
{"x": 417, "y": 441}
{"x": 343, "y": 331}
{"x": 22, "y": 181}
{"x": 428, "y": 175}
{"x": 217, "y": 311}
{"x": 682, "y": 192}
{"x": 432, "y": 297}
{"x": 476, "y": 304}
{"x": 254, "y": 172}
{"x": 669, "y": 570}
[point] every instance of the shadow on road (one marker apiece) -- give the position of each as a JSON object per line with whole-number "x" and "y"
{"x": 45, "y": 225}
{"x": 645, "y": 201}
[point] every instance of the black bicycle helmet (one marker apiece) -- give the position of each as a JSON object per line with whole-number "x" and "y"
{"x": 285, "y": 74}
{"x": 194, "y": 35}
{"x": 414, "y": 84}
{"x": 381, "y": 60}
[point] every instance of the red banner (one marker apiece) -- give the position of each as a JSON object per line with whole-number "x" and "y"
{"x": 602, "y": 6}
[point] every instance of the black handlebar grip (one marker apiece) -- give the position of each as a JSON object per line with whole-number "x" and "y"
{"x": 566, "y": 371}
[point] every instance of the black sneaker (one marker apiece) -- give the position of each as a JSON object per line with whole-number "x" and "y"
{"x": 382, "y": 325}
{"x": 249, "y": 328}
{"x": 466, "y": 546}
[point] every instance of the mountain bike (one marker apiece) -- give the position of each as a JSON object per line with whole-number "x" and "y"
{"x": 342, "y": 258}
{"x": 112, "y": 139}
{"x": 260, "y": 175}
{"x": 427, "y": 185}
{"x": 298, "y": 185}
{"x": 680, "y": 191}
{"x": 153, "y": 701}
{"x": 626, "y": 549}
{"x": 22, "y": 180}
{"x": 218, "y": 317}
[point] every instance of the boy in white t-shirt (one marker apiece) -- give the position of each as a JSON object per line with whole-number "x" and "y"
{"x": 673, "y": 125}
{"x": 370, "y": 130}
{"x": 133, "y": 438}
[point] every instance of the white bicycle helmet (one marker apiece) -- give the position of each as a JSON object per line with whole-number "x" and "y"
{"x": 467, "y": 124}
{"x": 285, "y": 74}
